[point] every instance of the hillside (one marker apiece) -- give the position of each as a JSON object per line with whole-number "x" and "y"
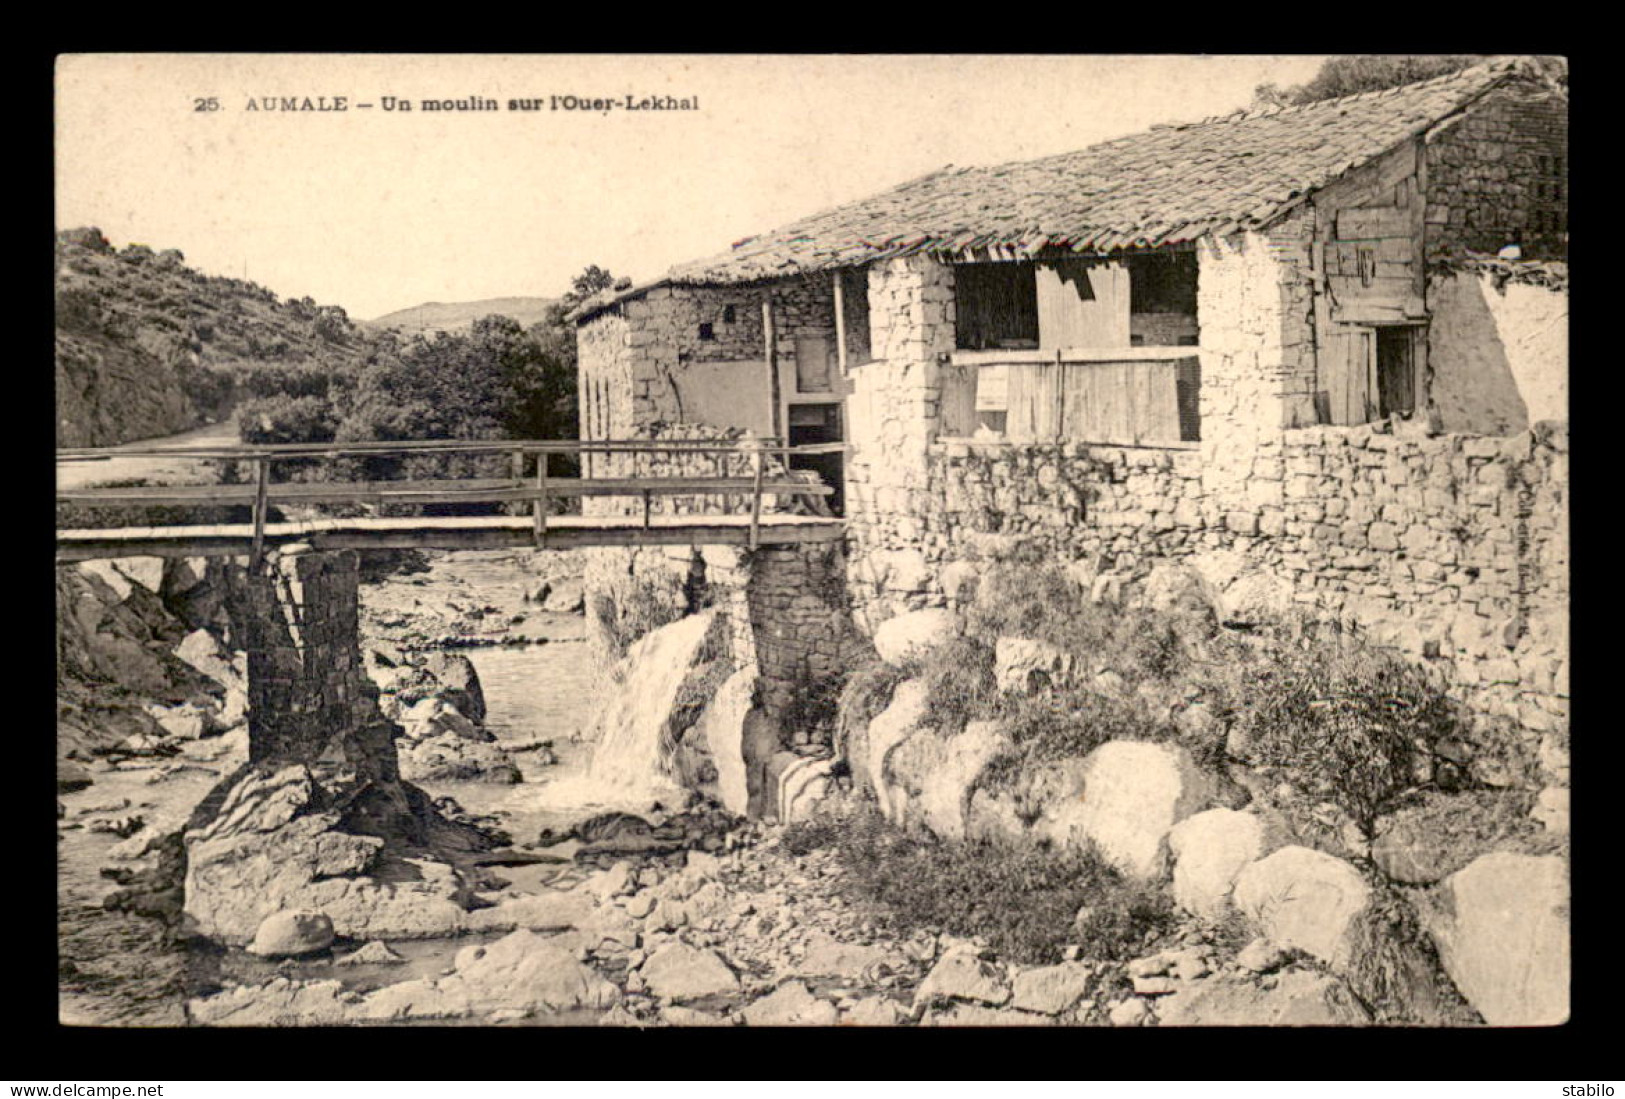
{"x": 146, "y": 346}
{"x": 436, "y": 316}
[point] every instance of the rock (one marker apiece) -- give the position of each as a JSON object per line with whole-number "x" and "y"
{"x": 565, "y": 596}
{"x": 979, "y": 1015}
{"x": 522, "y": 972}
{"x": 203, "y": 651}
{"x": 1300, "y": 998}
{"x": 1552, "y": 810}
{"x": 147, "y": 572}
{"x": 641, "y": 904}
{"x": 963, "y": 976}
{"x": 934, "y": 775}
{"x": 277, "y": 1002}
{"x": 1304, "y": 900}
{"x": 376, "y": 952}
{"x": 459, "y": 683}
{"x": 828, "y": 956}
{"x": 1026, "y": 665}
{"x": 551, "y": 911}
{"x": 1175, "y": 587}
{"x": 702, "y": 866}
{"x": 1133, "y": 794}
{"x": 1154, "y": 986}
{"x": 1501, "y": 926}
{"x": 1052, "y": 989}
{"x": 915, "y": 634}
{"x": 71, "y": 776}
{"x": 1209, "y": 850}
{"x": 452, "y": 758}
{"x": 791, "y": 1004}
{"x": 678, "y": 971}
{"x": 610, "y": 883}
{"x": 1129, "y": 1012}
{"x": 895, "y": 724}
{"x": 292, "y": 935}
{"x": 185, "y": 722}
{"x": 436, "y": 717}
{"x": 1411, "y": 848}
{"x": 272, "y": 845}
{"x": 873, "y": 1011}
{"x": 722, "y": 728}
{"x": 1262, "y": 956}
{"x": 677, "y": 1015}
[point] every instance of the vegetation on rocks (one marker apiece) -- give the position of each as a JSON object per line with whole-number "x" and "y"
{"x": 1026, "y": 902}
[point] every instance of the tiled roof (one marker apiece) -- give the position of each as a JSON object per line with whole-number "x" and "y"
{"x": 1166, "y": 185}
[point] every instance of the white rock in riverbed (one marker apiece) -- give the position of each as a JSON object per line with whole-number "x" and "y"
{"x": 292, "y": 935}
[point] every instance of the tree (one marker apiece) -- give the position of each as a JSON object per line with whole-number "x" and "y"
{"x": 1340, "y": 76}
{"x": 590, "y": 282}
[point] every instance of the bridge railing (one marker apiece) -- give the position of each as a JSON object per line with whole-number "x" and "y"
{"x": 262, "y": 494}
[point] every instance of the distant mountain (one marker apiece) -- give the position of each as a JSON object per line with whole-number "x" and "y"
{"x": 146, "y": 346}
{"x": 459, "y": 316}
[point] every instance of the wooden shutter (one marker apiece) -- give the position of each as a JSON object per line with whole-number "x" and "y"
{"x": 1346, "y": 361}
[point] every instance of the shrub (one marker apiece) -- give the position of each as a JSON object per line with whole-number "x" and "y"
{"x": 1067, "y": 725}
{"x": 1020, "y": 899}
{"x": 283, "y": 419}
{"x": 1352, "y": 724}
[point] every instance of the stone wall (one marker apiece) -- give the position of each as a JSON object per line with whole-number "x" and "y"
{"x": 645, "y": 361}
{"x": 1498, "y": 175}
{"x": 309, "y": 699}
{"x": 1453, "y": 548}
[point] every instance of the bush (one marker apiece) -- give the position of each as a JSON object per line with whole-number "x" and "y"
{"x": 284, "y": 419}
{"x": 1352, "y": 724}
{"x": 1021, "y": 900}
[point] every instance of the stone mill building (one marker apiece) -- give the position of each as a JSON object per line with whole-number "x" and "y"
{"x": 1319, "y": 348}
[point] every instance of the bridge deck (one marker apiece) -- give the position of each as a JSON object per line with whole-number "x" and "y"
{"x": 481, "y": 532}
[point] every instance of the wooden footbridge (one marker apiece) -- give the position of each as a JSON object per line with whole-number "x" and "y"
{"x": 740, "y": 518}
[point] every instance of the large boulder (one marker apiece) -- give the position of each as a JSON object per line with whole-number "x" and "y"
{"x": 681, "y": 972}
{"x": 1304, "y": 900}
{"x": 1210, "y": 850}
{"x": 722, "y": 728}
{"x": 1134, "y": 792}
{"x": 451, "y": 758}
{"x": 895, "y": 724}
{"x": 915, "y": 635}
{"x": 1501, "y": 926}
{"x": 1052, "y": 989}
{"x": 1025, "y": 664}
{"x": 459, "y": 683}
{"x": 933, "y": 775}
{"x": 274, "y": 844}
{"x": 520, "y": 974}
{"x": 292, "y": 935}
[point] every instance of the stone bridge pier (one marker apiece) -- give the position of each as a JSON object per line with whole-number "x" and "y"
{"x": 319, "y": 821}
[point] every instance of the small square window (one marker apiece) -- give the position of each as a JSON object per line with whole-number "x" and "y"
{"x": 729, "y": 315}
{"x": 707, "y": 332}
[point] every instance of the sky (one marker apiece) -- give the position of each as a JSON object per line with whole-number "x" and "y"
{"x": 378, "y": 210}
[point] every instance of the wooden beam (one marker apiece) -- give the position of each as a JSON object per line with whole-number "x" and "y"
{"x": 840, "y": 321}
{"x": 770, "y": 337}
{"x": 262, "y": 481}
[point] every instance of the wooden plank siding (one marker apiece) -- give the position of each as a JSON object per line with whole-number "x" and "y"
{"x": 1368, "y": 272}
{"x": 1134, "y": 402}
{"x": 1083, "y": 304}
